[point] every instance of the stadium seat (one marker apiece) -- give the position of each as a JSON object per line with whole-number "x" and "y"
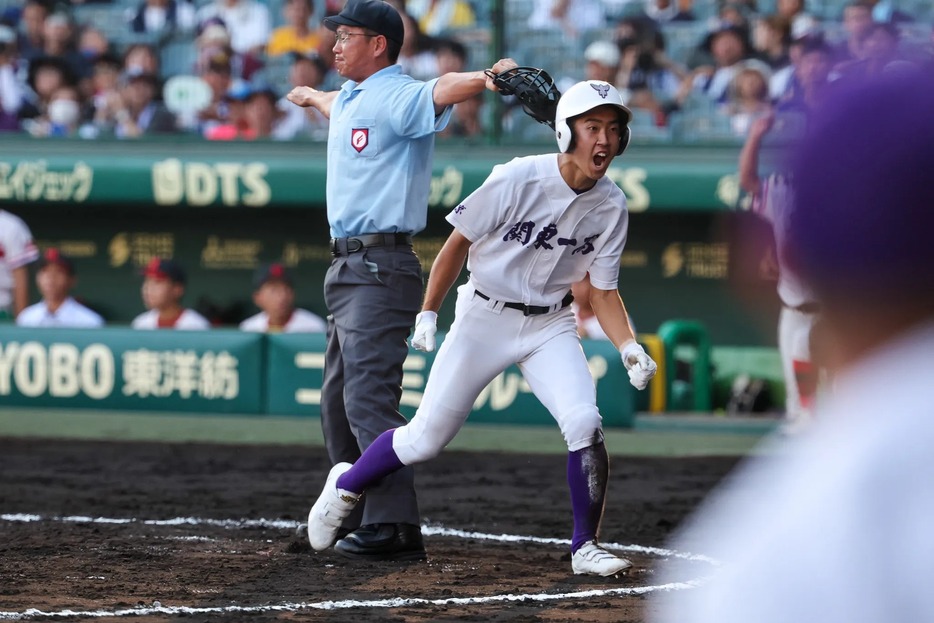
{"x": 700, "y": 127}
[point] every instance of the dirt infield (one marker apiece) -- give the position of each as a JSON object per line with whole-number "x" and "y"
{"x": 197, "y": 532}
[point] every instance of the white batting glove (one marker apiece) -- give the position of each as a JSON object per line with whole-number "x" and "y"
{"x": 426, "y": 325}
{"x": 639, "y": 365}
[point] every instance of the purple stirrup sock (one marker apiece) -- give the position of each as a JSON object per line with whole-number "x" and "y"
{"x": 588, "y": 470}
{"x": 377, "y": 461}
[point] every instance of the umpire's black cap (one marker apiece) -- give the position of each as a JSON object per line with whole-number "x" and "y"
{"x": 376, "y": 15}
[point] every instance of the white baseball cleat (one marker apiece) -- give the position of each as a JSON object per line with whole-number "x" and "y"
{"x": 591, "y": 559}
{"x": 332, "y": 507}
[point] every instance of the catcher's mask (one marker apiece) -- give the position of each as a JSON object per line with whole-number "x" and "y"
{"x": 534, "y": 89}
{"x": 585, "y": 96}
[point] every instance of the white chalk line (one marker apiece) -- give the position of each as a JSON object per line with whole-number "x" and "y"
{"x": 398, "y": 602}
{"x": 427, "y": 530}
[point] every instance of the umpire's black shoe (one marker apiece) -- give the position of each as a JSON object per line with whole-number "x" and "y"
{"x": 386, "y": 541}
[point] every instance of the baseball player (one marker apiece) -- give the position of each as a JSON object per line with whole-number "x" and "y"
{"x": 56, "y": 278}
{"x": 16, "y": 252}
{"x": 772, "y": 198}
{"x": 534, "y": 227}
{"x": 163, "y": 289}
{"x": 274, "y": 294}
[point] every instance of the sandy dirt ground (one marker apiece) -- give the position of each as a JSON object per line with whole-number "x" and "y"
{"x": 203, "y": 532}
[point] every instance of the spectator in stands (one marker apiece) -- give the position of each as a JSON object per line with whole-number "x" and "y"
{"x": 749, "y": 96}
{"x": 32, "y": 22}
{"x": 92, "y": 44}
{"x": 572, "y": 17}
{"x": 163, "y": 17}
{"x": 440, "y": 17}
{"x": 63, "y": 116}
{"x": 811, "y": 77}
{"x": 235, "y": 124}
{"x": 857, "y": 18}
{"x": 138, "y": 112}
{"x": 12, "y": 95}
{"x": 141, "y": 58}
{"x": 247, "y": 21}
{"x": 297, "y": 35}
{"x": 217, "y": 74}
{"x": 670, "y": 11}
{"x": 164, "y": 283}
{"x": 417, "y": 56}
{"x": 274, "y": 294}
{"x": 728, "y": 46}
{"x": 734, "y": 14}
{"x": 58, "y": 40}
{"x": 466, "y": 120}
{"x": 47, "y": 74}
{"x": 795, "y": 12}
{"x": 602, "y": 61}
{"x": 56, "y": 278}
{"x": 451, "y": 55}
{"x": 105, "y": 88}
{"x": 17, "y": 251}
{"x": 213, "y": 39}
{"x": 261, "y": 114}
{"x": 879, "y": 53}
{"x": 770, "y": 39}
{"x": 650, "y": 79}
{"x": 295, "y": 121}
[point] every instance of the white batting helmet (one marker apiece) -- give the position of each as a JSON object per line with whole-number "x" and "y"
{"x": 585, "y": 96}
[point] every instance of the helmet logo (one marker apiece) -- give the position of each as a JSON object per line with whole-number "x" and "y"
{"x": 601, "y": 89}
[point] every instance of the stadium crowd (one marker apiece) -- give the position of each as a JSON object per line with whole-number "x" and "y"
{"x": 95, "y": 68}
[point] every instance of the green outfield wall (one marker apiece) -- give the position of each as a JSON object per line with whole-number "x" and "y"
{"x": 226, "y": 371}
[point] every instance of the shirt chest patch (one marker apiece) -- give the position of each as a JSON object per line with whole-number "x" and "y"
{"x": 359, "y": 138}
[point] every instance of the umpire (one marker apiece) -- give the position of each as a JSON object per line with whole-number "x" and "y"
{"x": 380, "y": 145}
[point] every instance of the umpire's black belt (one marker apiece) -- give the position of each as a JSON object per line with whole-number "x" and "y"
{"x": 532, "y": 310}
{"x": 346, "y": 246}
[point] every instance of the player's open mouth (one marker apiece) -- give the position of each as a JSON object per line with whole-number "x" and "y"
{"x": 599, "y": 159}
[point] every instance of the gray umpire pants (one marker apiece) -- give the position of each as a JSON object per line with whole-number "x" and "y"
{"x": 373, "y": 297}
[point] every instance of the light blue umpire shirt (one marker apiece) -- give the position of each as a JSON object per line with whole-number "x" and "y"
{"x": 380, "y": 144}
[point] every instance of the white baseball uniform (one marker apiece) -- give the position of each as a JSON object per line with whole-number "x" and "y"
{"x": 532, "y": 237}
{"x": 16, "y": 250}
{"x": 301, "y": 321}
{"x": 189, "y": 320}
{"x": 798, "y": 315}
{"x": 71, "y": 313}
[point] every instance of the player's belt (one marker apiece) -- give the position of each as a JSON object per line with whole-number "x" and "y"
{"x": 532, "y": 310}
{"x": 352, "y": 244}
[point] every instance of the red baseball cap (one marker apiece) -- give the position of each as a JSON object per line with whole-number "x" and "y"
{"x": 160, "y": 268}
{"x": 54, "y": 256}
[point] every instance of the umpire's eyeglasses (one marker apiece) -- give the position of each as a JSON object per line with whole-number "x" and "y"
{"x": 342, "y": 37}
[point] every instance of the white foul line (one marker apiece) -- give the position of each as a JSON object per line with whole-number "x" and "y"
{"x": 427, "y": 530}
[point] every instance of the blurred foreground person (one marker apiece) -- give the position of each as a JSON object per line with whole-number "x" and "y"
{"x": 836, "y": 528}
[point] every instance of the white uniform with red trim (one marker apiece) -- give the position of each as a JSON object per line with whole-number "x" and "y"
{"x": 533, "y": 237}
{"x": 16, "y": 250}
{"x": 188, "y": 320}
{"x": 71, "y": 313}
{"x": 301, "y": 321}
{"x": 798, "y": 313}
